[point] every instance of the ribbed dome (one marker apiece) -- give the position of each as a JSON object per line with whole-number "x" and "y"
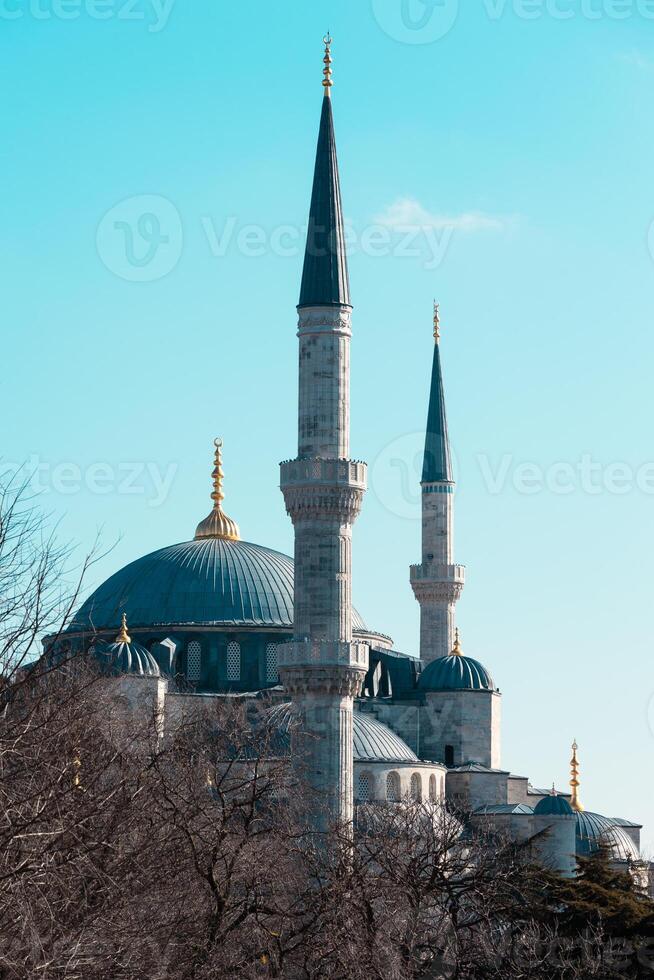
{"x": 376, "y": 742}
{"x": 594, "y": 830}
{"x": 127, "y": 658}
{"x": 209, "y": 581}
{"x": 554, "y": 805}
{"x": 373, "y": 741}
{"x": 455, "y": 673}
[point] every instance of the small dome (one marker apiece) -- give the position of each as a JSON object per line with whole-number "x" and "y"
{"x": 555, "y": 806}
{"x": 455, "y": 673}
{"x": 376, "y": 742}
{"x": 373, "y": 741}
{"x": 126, "y": 657}
{"x": 595, "y": 831}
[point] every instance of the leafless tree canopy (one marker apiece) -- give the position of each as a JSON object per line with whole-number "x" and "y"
{"x": 128, "y": 855}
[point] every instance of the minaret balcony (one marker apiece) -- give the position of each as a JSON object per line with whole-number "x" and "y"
{"x": 432, "y": 572}
{"x": 433, "y": 583}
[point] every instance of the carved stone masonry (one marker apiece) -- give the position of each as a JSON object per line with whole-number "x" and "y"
{"x": 342, "y": 682}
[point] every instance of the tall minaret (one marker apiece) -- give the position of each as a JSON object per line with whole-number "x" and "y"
{"x": 437, "y": 582}
{"x": 321, "y": 668}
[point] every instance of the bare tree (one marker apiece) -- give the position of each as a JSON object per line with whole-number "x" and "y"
{"x": 39, "y": 583}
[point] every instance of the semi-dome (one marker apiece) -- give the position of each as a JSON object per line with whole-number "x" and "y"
{"x": 373, "y": 741}
{"x": 210, "y": 581}
{"x": 123, "y": 656}
{"x": 455, "y": 673}
{"x": 554, "y": 805}
{"x": 594, "y": 831}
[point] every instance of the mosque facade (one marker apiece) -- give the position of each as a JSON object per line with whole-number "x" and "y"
{"x": 216, "y": 616}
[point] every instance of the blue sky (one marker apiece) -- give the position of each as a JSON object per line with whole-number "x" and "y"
{"x": 156, "y": 167}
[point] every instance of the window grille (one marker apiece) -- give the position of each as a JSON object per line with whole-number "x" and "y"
{"x": 416, "y": 788}
{"x": 393, "y": 787}
{"x": 363, "y": 794}
{"x": 233, "y": 661}
{"x": 272, "y": 672}
{"x": 193, "y": 661}
{"x": 432, "y": 789}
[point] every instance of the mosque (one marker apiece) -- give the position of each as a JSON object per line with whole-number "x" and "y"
{"x": 217, "y": 616}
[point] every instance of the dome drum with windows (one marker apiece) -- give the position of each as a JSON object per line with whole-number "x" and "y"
{"x": 214, "y": 609}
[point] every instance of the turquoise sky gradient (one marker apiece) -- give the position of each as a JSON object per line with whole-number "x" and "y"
{"x": 522, "y": 147}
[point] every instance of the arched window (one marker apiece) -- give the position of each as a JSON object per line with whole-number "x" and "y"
{"x": 272, "y": 673}
{"x": 233, "y": 661}
{"x": 393, "y": 787}
{"x": 193, "y": 661}
{"x": 433, "y": 795}
{"x": 416, "y": 787}
{"x": 363, "y": 789}
{"x": 449, "y": 755}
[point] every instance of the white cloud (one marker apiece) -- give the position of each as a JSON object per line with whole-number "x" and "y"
{"x": 406, "y": 212}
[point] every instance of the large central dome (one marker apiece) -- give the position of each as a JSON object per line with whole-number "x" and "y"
{"x": 211, "y": 581}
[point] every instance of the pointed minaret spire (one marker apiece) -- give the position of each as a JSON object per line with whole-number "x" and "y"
{"x": 437, "y": 582}
{"x": 437, "y": 461}
{"x": 324, "y": 278}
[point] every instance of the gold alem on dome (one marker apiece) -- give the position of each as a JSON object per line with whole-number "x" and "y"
{"x": 437, "y": 322}
{"x": 457, "y": 651}
{"x": 327, "y": 60}
{"x": 574, "y": 780}
{"x": 218, "y": 524}
{"x": 123, "y": 635}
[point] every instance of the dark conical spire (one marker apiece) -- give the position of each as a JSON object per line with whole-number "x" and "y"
{"x": 324, "y": 278}
{"x": 437, "y": 465}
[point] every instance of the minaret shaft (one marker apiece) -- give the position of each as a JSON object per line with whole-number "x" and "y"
{"x": 322, "y": 669}
{"x": 437, "y": 582}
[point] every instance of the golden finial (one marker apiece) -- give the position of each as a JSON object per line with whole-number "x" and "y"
{"x": 123, "y": 636}
{"x": 457, "y": 651}
{"x": 437, "y": 322}
{"x": 553, "y": 791}
{"x": 218, "y": 524}
{"x": 327, "y": 60}
{"x": 574, "y": 781}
